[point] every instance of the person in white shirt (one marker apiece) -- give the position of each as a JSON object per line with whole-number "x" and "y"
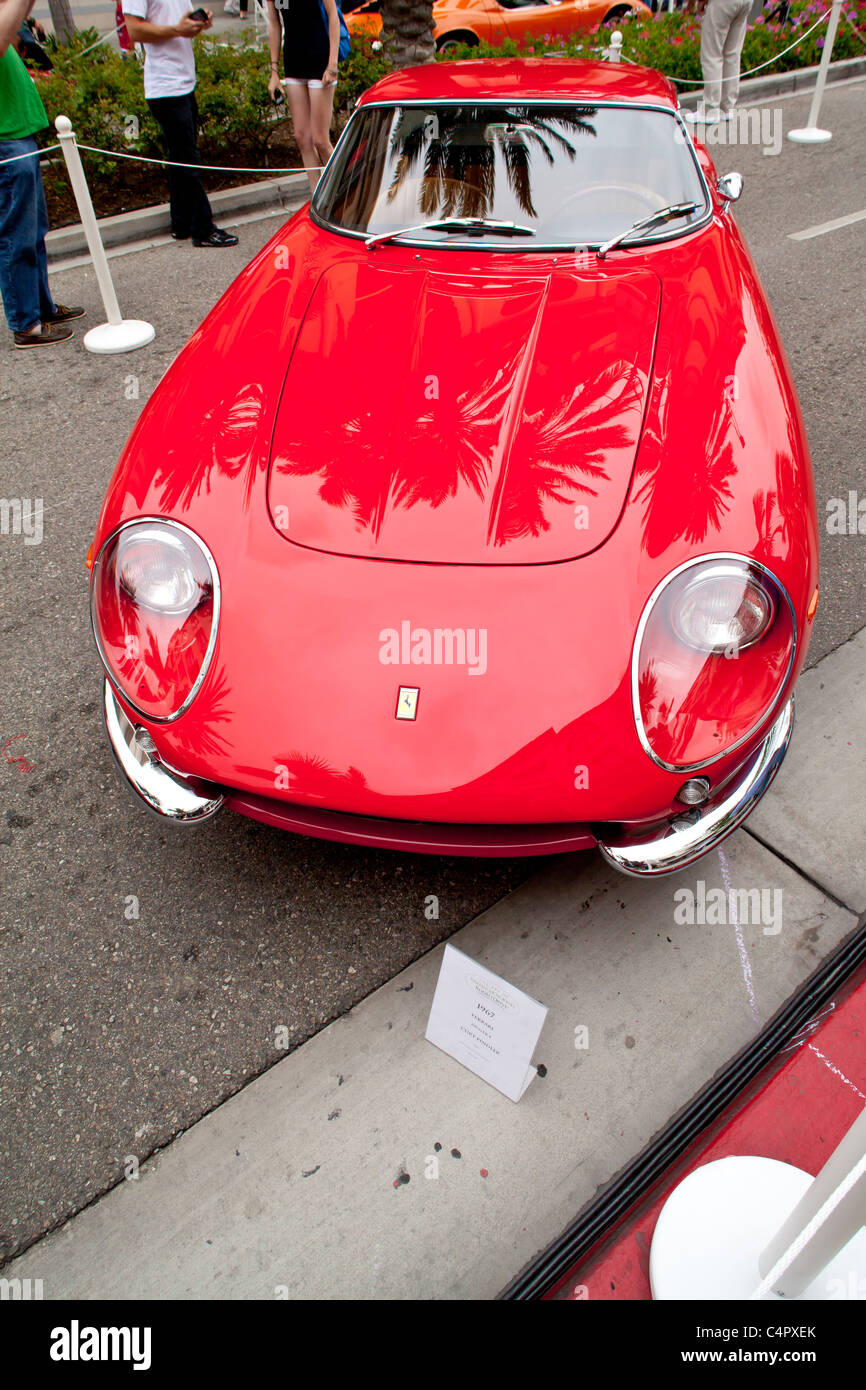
{"x": 167, "y": 29}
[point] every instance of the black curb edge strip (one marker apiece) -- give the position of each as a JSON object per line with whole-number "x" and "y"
{"x": 594, "y": 1222}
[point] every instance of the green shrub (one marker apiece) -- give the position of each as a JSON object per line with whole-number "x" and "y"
{"x": 103, "y": 96}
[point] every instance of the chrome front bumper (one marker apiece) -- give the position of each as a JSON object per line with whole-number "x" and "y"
{"x": 662, "y": 850}
{"x": 165, "y": 791}
{"x": 685, "y": 838}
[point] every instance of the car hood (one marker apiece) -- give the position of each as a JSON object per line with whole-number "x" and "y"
{"x": 468, "y": 419}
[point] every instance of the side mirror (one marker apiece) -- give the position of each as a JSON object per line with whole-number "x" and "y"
{"x": 730, "y": 186}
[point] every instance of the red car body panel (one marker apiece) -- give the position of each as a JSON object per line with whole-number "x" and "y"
{"x": 452, "y": 436}
{"x": 712, "y": 458}
{"x": 526, "y": 79}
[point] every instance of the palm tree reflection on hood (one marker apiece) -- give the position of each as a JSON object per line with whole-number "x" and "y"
{"x": 562, "y": 446}
{"x": 674, "y": 510}
{"x": 372, "y": 483}
{"x": 459, "y": 147}
{"x": 560, "y": 457}
{"x": 229, "y": 435}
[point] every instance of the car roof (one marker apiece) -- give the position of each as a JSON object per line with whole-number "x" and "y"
{"x": 524, "y": 79}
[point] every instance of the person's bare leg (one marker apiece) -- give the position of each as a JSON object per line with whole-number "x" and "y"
{"x": 322, "y": 113}
{"x": 299, "y": 106}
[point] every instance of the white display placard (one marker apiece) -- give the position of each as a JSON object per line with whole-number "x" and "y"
{"x": 485, "y": 1023}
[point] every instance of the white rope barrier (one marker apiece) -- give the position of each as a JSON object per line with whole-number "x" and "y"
{"x": 29, "y": 154}
{"x": 214, "y": 168}
{"x": 102, "y": 39}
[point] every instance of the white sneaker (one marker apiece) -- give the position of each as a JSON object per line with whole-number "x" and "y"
{"x": 704, "y": 115}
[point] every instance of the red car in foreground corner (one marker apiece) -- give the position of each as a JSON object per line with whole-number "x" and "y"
{"x": 477, "y": 517}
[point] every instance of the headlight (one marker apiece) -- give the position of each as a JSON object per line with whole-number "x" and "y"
{"x": 714, "y": 650}
{"x": 154, "y": 602}
{"x": 162, "y": 570}
{"x": 723, "y": 607}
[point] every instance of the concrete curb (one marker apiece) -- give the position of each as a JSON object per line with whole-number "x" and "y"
{"x": 290, "y": 191}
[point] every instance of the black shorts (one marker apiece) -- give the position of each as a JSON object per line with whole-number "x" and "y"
{"x": 306, "y": 43}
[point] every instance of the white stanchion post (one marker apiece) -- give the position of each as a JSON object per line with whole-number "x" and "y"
{"x": 731, "y": 1221}
{"x": 118, "y": 334}
{"x": 614, "y": 53}
{"x": 835, "y": 1232}
{"x": 810, "y": 134}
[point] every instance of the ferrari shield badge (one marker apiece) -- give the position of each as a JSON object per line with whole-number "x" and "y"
{"x": 407, "y": 702}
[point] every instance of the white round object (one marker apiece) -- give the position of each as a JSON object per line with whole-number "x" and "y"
{"x": 714, "y": 1226}
{"x": 810, "y": 135}
{"x": 119, "y": 337}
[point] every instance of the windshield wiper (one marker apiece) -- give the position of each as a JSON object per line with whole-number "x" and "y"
{"x": 475, "y": 226}
{"x": 663, "y": 215}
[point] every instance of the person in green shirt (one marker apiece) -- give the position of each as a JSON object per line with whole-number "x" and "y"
{"x": 31, "y": 312}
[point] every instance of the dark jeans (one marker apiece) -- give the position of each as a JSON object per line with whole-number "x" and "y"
{"x": 23, "y": 224}
{"x": 190, "y": 209}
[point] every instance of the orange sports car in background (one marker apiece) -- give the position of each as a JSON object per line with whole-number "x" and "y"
{"x": 470, "y": 21}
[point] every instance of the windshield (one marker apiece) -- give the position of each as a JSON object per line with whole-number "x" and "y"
{"x": 575, "y": 175}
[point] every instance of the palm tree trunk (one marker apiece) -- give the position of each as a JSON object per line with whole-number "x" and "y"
{"x": 61, "y": 19}
{"x": 408, "y": 26}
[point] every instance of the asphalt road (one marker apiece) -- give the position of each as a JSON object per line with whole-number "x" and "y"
{"x": 118, "y": 1031}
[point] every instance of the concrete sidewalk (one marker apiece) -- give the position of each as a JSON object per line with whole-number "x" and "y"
{"x": 816, "y": 815}
{"x": 323, "y": 1179}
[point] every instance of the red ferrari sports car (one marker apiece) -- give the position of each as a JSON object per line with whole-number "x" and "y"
{"x": 477, "y": 517}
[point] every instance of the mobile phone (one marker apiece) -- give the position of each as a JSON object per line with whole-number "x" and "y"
{"x": 199, "y": 15}
{"x": 278, "y": 98}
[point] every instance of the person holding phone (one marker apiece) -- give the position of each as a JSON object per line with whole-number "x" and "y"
{"x": 310, "y": 34}
{"x": 167, "y": 29}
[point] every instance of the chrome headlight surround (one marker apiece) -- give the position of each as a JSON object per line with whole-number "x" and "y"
{"x": 776, "y": 587}
{"x": 212, "y": 639}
